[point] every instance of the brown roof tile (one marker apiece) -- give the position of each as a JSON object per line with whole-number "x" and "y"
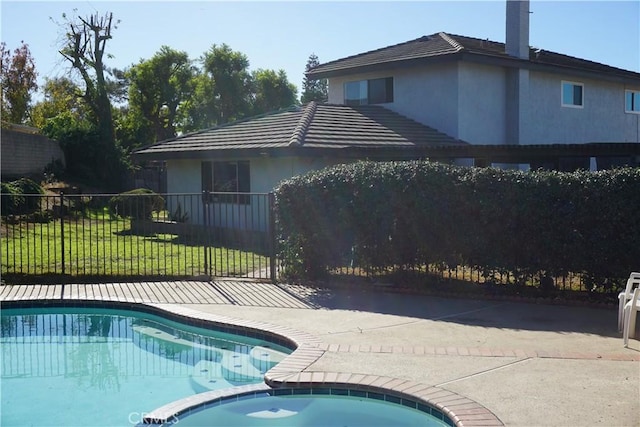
{"x": 310, "y": 126}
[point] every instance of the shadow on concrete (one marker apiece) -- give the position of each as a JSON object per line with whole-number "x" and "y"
{"x": 477, "y": 312}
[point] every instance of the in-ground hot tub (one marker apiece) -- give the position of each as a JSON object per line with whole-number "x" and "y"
{"x": 309, "y": 407}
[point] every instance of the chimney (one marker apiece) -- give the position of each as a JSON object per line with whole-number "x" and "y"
{"x": 518, "y": 28}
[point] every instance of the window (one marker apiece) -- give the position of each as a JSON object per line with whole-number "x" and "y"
{"x": 632, "y": 101}
{"x": 227, "y": 177}
{"x": 363, "y": 92}
{"x": 572, "y": 94}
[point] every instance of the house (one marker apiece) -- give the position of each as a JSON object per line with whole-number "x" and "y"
{"x": 443, "y": 97}
{"x": 254, "y": 155}
{"x": 495, "y": 94}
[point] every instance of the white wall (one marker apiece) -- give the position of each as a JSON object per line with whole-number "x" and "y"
{"x": 184, "y": 176}
{"x": 268, "y": 172}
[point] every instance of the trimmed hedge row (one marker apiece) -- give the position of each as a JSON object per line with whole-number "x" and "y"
{"x": 401, "y": 214}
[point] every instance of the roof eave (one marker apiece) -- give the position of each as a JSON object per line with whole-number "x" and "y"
{"x": 399, "y": 152}
{"x": 383, "y": 66}
{"x": 497, "y": 153}
{"x": 628, "y": 77}
{"x": 512, "y": 62}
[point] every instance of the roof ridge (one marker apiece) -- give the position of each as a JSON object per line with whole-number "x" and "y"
{"x": 303, "y": 124}
{"x": 446, "y": 37}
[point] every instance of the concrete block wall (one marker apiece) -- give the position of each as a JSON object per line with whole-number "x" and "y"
{"x": 26, "y": 153}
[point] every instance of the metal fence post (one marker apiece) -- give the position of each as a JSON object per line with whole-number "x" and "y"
{"x": 62, "y": 229}
{"x": 272, "y": 238}
{"x": 205, "y": 213}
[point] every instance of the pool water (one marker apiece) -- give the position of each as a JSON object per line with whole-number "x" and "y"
{"x": 93, "y": 367}
{"x": 308, "y": 411}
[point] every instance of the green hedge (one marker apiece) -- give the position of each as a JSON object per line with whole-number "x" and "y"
{"x": 400, "y": 214}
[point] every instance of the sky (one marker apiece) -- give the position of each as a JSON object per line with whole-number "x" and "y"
{"x": 282, "y": 35}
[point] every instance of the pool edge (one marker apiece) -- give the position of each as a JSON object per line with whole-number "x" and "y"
{"x": 291, "y": 372}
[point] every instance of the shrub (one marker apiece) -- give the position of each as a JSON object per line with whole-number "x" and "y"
{"x": 14, "y": 201}
{"x": 179, "y": 215}
{"x": 138, "y": 204}
{"x": 12, "y": 198}
{"x": 401, "y": 214}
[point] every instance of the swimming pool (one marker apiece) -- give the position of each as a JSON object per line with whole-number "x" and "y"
{"x": 66, "y": 366}
{"x": 335, "y": 407}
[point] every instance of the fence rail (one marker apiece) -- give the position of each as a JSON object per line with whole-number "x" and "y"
{"x": 144, "y": 235}
{"x": 87, "y": 236}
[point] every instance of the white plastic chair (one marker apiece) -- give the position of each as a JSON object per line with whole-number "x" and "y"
{"x": 631, "y": 309}
{"x": 623, "y": 297}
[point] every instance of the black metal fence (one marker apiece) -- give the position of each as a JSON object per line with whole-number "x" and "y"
{"x": 143, "y": 235}
{"x": 437, "y": 273}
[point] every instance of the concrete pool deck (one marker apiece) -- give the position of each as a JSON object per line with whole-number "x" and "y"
{"x": 530, "y": 364}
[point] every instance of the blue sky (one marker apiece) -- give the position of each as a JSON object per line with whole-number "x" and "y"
{"x": 282, "y": 35}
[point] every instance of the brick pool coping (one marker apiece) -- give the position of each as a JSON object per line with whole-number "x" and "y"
{"x": 292, "y": 371}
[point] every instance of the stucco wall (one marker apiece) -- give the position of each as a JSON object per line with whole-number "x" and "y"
{"x": 602, "y": 119}
{"x": 428, "y": 95}
{"x": 24, "y": 153}
{"x": 469, "y": 101}
{"x": 463, "y": 100}
{"x": 267, "y": 173}
{"x": 482, "y": 108}
{"x": 184, "y": 176}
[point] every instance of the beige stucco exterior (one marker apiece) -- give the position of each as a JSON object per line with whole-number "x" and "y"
{"x": 478, "y": 103}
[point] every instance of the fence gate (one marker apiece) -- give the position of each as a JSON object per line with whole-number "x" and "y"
{"x": 240, "y": 230}
{"x": 143, "y": 235}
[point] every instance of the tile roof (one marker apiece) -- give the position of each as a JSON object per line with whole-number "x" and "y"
{"x": 319, "y": 126}
{"x": 443, "y": 45}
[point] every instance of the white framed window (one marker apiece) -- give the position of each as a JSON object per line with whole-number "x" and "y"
{"x": 374, "y": 91}
{"x": 632, "y": 101}
{"x": 572, "y": 94}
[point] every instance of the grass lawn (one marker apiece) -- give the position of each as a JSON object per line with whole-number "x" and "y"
{"x": 100, "y": 245}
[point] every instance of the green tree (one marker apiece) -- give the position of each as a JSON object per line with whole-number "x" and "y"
{"x": 61, "y": 95}
{"x": 79, "y": 141}
{"x": 313, "y": 89}
{"x": 198, "y": 111}
{"x": 232, "y": 82}
{"x": 273, "y": 91}
{"x": 19, "y": 76}
{"x": 132, "y": 129}
{"x": 158, "y": 87}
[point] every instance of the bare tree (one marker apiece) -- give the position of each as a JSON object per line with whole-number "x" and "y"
{"x": 84, "y": 48}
